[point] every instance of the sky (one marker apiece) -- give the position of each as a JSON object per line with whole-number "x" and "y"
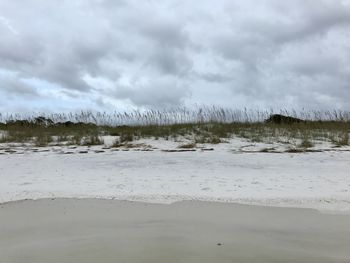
{"x": 106, "y": 55}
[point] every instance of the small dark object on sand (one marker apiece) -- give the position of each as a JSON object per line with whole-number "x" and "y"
{"x": 282, "y": 119}
{"x": 219, "y": 244}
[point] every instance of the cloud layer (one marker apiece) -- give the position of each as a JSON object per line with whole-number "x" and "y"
{"x": 104, "y": 54}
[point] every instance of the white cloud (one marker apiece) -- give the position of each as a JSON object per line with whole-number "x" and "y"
{"x": 102, "y": 53}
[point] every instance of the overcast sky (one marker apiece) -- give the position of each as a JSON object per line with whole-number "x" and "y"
{"x": 63, "y": 55}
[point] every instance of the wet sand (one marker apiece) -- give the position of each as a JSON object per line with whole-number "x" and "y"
{"x": 92, "y": 230}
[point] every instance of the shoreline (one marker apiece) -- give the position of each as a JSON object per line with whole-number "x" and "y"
{"x": 311, "y": 204}
{"x": 91, "y": 230}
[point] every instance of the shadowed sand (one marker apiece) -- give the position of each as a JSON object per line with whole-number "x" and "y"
{"x": 91, "y": 230}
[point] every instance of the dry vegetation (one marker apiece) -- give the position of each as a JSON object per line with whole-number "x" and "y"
{"x": 205, "y": 125}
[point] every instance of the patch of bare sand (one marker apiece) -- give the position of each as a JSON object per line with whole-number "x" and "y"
{"x": 91, "y": 230}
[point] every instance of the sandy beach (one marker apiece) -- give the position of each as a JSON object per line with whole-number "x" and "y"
{"x": 92, "y": 230}
{"x": 304, "y": 180}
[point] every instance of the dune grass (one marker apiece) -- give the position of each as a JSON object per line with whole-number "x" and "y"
{"x": 207, "y": 125}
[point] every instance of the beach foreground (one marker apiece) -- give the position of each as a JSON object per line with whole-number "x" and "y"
{"x": 93, "y": 230}
{"x": 305, "y": 180}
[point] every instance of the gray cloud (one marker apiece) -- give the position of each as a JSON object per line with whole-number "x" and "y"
{"x": 168, "y": 61}
{"x": 165, "y": 33}
{"x": 238, "y": 53}
{"x": 158, "y": 93}
{"x": 14, "y": 88}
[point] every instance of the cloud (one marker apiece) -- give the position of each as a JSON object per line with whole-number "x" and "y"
{"x": 14, "y": 88}
{"x": 270, "y": 53}
{"x": 6, "y": 23}
{"x": 161, "y": 92}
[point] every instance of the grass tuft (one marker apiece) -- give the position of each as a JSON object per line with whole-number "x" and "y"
{"x": 306, "y": 143}
{"x": 92, "y": 140}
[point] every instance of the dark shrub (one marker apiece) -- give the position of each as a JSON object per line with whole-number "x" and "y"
{"x": 281, "y": 119}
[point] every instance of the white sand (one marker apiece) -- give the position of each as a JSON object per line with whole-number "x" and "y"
{"x": 90, "y": 231}
{"x": 313, "y": 180}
